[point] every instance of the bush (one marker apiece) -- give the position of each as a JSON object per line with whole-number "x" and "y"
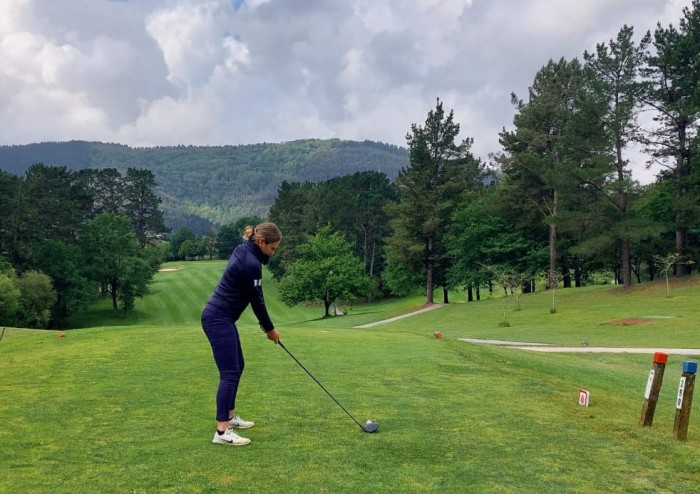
{"x": 599, "y": 278}
{"x": 9, "y": 300}
{"x": 37, "y": 299}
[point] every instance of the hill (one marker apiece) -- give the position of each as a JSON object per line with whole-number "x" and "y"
{"x": 203, "y": 186}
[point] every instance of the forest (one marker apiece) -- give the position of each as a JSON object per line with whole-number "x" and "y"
{"x": 557, "y": 206}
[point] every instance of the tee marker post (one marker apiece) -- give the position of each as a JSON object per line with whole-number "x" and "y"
{"x": 684, "y": 400}
{"x": 651, "y": 394}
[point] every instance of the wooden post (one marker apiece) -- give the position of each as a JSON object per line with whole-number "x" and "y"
{"x": 651, "y": 394}
{"x": 685, "y": 399}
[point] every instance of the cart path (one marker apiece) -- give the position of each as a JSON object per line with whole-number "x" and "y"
{"x": 402, "y": 316}
{"x": 545, "y": 347}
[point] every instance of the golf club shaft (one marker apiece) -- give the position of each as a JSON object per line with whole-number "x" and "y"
{"x": 317, "y": 382}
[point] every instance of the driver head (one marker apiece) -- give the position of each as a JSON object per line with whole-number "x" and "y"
{"x": 370, "y": 426}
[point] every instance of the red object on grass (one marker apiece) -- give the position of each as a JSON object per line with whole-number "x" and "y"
{"x": 438, "y": 335}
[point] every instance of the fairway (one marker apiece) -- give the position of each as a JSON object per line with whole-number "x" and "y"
{"x": 126, "y": 405}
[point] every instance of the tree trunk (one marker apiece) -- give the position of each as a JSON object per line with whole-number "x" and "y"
{"x": 552, "y": 277}
{"x": 565, "y": 272}
{"x": 429, "y": 279}
{"x": 470, "y": 293}
{"x": 682, "y": 268}
{"x": 445, "y": 297}
{"x": 327, "y": 305}
{"x": 622, "y": 208}
{"x": 114, "y": 294}
{"x": 626, "y": 265}
{"x": 680, "y": 174}
{"x": 577, "y": 273}
{"x": 478, "y": 293}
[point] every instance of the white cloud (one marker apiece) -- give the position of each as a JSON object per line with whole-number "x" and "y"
{"x": 149, "y": 72}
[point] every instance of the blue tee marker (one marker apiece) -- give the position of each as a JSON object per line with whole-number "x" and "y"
{"x": 690, "y": 367}
{"x": 684, "y": 401}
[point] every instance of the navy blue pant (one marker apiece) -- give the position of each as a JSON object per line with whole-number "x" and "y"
{"x": 226, "y": 347}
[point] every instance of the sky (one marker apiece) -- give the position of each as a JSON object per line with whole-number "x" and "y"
{"x": 216, "y": 72}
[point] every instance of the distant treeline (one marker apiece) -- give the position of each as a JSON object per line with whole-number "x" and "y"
{"x": 207, "y": 186}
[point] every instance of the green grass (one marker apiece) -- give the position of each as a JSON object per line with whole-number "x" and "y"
{"x": 127, "y": 405}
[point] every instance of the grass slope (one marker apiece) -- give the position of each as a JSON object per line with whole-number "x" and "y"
{"x": 127, "y": 405}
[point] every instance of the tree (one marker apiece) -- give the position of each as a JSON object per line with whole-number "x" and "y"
{"x": 482, "y": 235}
{"x": 665, "y": 263}
{"x": 231, "y": 235}
{"x": 111, "y": 252}
{"x": 510, "y": 282}
{"x": 37, "y": 298}
{"x": 545, "y": 146}
{"x": 9, "y": 194}
{"x": 50, "y": 204}
{"x": 9, "y": 299}
{"x": 355, "y": 205}
{"x": 106, "y": 185}
{"x": 672, "y": 74}
{"x": 428, "y": 188}
{"x": 209, "y": 244}
{"x": 291, "y": 212}
{"x": 142, "y": 204}
{"x": 226, "y": 240}
{"x": 191, "y": 249}
{"x": 612, "y": 79}
{"x": 63, "y": 262}
{"x": 327, "y": 270}
{"x": 181, "y": 236}
{"x": 135, "y": 278}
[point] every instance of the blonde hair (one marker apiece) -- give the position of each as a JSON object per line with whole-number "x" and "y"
{"x": 264, "y": 231}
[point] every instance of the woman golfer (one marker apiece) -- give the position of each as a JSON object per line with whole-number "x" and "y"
{"x": 240, "y": 285}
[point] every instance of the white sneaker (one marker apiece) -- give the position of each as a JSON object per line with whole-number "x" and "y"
{"x": 239, "y": 423}
{"x": 230, "y": 438}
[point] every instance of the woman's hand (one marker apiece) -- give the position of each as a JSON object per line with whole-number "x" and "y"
{"x": 273, "y": 335}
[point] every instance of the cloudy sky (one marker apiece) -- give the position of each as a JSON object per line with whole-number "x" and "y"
{"x": 211, "y": 72}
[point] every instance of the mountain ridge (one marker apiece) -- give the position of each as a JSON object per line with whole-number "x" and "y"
{"x": 208, "y": 186}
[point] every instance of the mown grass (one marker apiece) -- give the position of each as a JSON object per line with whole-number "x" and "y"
{"x": 127, "y": 405}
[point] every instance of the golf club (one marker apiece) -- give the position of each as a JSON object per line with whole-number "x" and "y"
{"x": 369, "y": 425}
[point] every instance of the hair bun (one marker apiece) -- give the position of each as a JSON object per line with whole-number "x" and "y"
{"x": 248, "y": 232}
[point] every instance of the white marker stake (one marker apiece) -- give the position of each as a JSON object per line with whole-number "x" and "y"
{"x": 647, "y": 392}
{"x": 681, "y": 390}
{"x": 583, "y": 397}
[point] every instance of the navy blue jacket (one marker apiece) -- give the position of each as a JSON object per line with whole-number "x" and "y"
{"x": 241, "y": 284}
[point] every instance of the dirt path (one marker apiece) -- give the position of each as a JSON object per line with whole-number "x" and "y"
{"x": 402, "y": 316}
{"x": 544, "y": 347}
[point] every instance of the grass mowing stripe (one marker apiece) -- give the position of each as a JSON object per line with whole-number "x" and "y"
{"x": 187, "y": 301}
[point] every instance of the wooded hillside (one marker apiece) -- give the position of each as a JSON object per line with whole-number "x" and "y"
{"x": 205, "y": 185}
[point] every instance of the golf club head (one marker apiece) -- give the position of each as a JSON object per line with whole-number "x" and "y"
{"x": 370, "y": 426}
